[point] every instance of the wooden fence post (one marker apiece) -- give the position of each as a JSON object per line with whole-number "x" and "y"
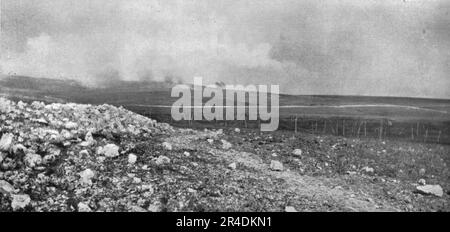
{"x": 381, "y": 130}
{"x": 312, "y": 128}
{"x": 343, "y": 127}
{"x": 417, "y": 130}
{"x": 296, "y": 119}
{"x": 359, "y": 127}
{"x": 332, "y": 128}
{"x": 365, "y": 128}
{"x": 337, "y": 127}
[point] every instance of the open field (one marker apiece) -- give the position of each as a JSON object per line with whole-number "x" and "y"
{"x": 70, "y": 157}
{"x": 420, "y": 120}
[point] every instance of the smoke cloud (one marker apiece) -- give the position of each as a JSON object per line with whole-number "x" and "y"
{"x": 388, "y": 48}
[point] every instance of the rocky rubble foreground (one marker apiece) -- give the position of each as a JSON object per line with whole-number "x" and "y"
{"x": 49, "y": 154}
{"x": 71, "y": 157}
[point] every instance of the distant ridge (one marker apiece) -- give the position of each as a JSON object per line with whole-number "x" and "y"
{"x": 145, "y": 96}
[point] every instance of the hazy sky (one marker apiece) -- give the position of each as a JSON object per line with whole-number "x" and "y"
{"x": 351, "y": 47}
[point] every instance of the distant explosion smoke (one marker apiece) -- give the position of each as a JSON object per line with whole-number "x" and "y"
{"x": 338, "y": 47}
{"x": 128, "y": 40}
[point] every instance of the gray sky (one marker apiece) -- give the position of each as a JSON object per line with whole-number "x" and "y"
{"x": 350, "y": 47}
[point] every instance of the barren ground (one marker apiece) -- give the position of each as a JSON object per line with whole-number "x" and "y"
{"x": 198, "y": 170}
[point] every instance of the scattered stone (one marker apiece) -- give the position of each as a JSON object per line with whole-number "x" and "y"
{"x": 155, "y": 207}
{"x": 290, "y": 209}
{"x": 410, "y": 207}
{"x": 66, "y": 134}
{"x": 101, "y": 159}
{"x": 167, "y": 146}
{"x": 48, "y": 159}
{"x": 210, "y": 141}
{"x": 8, "y": 163}
{"x": 132, "y": 158}
{"x": 71, "y": 125}
{"x": 147, "y": 187}
{"x": 89, "y": 138}
{"x": 84, "y": 208}
{"x": 19, "y": 150}
{"x": 297, "y": 152}
{"x": 84, "y": 153}
{"x": 225, "y": 144}
{"x": 33, "y": 160}
{"x": 6, "y": 142}
{"x": 54, "y": 151}
{"x": 21, "y": 105}
{"x": 276, "y": 166}
{"x": 86, "y": 177}
{"x": 232, "y": 166}
{"x": 20, "y": 201}
{"x": 57, "y": 142}
{"x": 162, "y": 160}
{"x": 6, "y": 188}
{"x": 99, "y": 151}
{"x": 137, "y": 180}
{"x": 237, "y": 130}
{"x": 422, "y": 182}
{"x": 110, "y": 150}
{"x": 274, "y": 155}
{"x": 85, "y": 144}
{"x": 367, "y": 169}
{"x": 435, "y": 190}
{"x": 40, "y": 120}
{"x": 187, "y": 154}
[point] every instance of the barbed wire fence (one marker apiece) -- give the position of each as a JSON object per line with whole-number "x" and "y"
{"x": 378, "y": 128}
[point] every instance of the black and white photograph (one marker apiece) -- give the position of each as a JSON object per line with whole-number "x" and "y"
{"x": 223, "y": 106}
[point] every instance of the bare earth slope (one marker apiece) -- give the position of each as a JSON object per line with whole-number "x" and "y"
{"x": 71, "y": 157}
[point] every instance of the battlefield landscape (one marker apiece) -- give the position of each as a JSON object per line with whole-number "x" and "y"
{"x": 410, "y": 119}
{"x": 128, "y": 155}
{"x": 117, "y": 105}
